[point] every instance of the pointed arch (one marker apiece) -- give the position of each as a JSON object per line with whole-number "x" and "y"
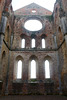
{"x": 33, "y": 44}
{"x": 43, "y": 42}
{"x": 23, "y": 40}
{"x": 47, "y": 67}
{"x": 33, "y": 67}
{"x": 23, "y": 43}
{"x": 18, "y": 68}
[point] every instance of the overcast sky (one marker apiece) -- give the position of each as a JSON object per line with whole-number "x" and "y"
{"x": 48, "y": 4}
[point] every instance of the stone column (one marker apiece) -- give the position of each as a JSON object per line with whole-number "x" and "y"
{"x": 58, "y": 64}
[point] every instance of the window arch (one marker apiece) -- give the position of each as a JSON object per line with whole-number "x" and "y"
{"x": 33, "y": 43}
{"x": 19, "y": 70}
{"x": 23, "y": 43}
{"x": 47, "y": 69}
{"x": 43, "y": 43}
{"x": 33, "y": 69}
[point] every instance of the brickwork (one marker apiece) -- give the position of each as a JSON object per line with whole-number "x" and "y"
{"x": 27, "y": 10}
{"x": 61, "y": 11}
{"x": 2, "y": 3}
{"x": 19, "y": 33}
{"x": 53, "y": 31}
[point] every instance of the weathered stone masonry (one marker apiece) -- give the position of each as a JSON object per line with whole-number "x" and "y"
{"x": 54, "y": 32}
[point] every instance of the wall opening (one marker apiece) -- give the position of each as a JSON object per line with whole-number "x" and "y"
{"x": 23, "y": 43}
{"x": 33, "y": 25}
{"x": 33, "y": 69}
{"x": 33, "y": 11}
{"x": 19, "y": 70}
{"x": 47, "y": 69}
{"x": 33, "y": 43}
{"x": 43, "y": 43}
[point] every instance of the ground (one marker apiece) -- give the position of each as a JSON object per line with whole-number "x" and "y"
{"x": 33, "y": 97}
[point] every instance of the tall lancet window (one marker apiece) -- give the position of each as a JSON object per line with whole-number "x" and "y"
{"x": 47, "y": 69}
{"x": 33, "y": 69}
{"x": 23, "y": 43}
{"x": 43, "y": 43}
{"x": 19, "y": 70}
{"x": 33, "y": 43}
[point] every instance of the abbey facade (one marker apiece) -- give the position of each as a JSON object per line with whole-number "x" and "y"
{"x": 21, "y": 49}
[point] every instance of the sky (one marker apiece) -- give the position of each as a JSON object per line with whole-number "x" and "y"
{"x": 48, "y": 4}
{"x": 30, "y": 25}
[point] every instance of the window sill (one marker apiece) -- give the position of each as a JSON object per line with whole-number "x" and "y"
{"x": 17, "y": 81}
{"x": 48, "y": 80}
{"x": 33, "y": 81}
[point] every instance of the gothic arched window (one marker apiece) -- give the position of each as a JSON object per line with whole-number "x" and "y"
{"x": 33, "y": 43}
{"x": 43, "y": 43}
{"x": 47, "y": 69}
{"x": 19, "y": 70}
{"x": 23, "y": 43}
{"x": 33, "y": 69}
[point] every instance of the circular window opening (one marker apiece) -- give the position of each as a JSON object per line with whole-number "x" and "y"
{"x": 33, "y": 11}
{"x": 33, "y": 25}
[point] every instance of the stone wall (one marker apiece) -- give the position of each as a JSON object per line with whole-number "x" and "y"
{"x": 60, "y": 32}
{"x": 53, "y": 31}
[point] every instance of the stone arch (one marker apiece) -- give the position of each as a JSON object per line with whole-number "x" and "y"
{"x": 43, "y": 36}
{"x": 43, "y": 40}
{"x": 49, "y": 58}
{"x": 18, "y": 58}
{"x": 33, "y": 57}
{"x": 33, "y": 40}
{"x": 25, "y": 37}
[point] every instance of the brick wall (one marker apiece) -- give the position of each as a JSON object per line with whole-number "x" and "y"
{"x": 57, "y": 56}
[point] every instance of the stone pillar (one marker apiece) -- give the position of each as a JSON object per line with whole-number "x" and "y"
{"x": 58, "y": 63}
{"x": 3, "y": 27}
